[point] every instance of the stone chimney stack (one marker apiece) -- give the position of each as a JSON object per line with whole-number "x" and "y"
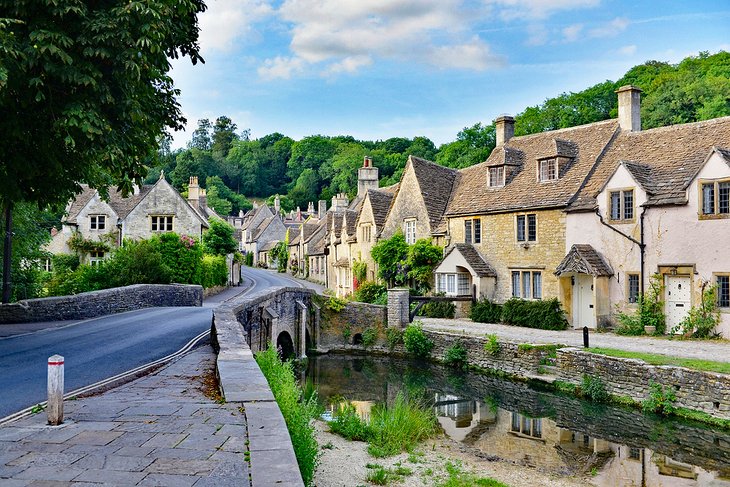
{"x": 505, "y": 128}
{"x": 299, "y": 214}
{"x": 629, "y": 108}
{"x": 310, "y": 208}
{"x": 277, "y": 205}
{"x": 367, "y": 177}
{"x": 194, "y": 192}
{"x": 340, "y": 202}
{"x": 322, "y": 208}
{"x": 203, "y": 199}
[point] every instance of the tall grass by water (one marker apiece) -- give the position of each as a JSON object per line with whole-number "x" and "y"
{"x": 299, "y": 411}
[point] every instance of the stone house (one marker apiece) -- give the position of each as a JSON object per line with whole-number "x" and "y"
{"x": 369, "y": 225}
{"x": 658, "y": 203}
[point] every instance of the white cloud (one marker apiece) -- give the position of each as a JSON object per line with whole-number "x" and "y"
{"x": 342, "y": 36}
{"x": 536, "y": 9}
{"x": 610, "y": 29}
{"x": 281, "y": 67}
{"x": 628, "y": 50}
{"x": 572, "y": 32}
{"x": 226, "y": 21}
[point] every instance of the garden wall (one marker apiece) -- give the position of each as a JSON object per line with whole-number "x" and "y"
{"x": 100, "y": 303}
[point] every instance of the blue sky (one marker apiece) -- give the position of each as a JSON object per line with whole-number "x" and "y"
{"x": 376, "y": 69}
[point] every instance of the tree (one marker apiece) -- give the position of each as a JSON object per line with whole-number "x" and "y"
{"x": 221, "y": 205}
{"x": 224, "y": 133}
{"x": 390, "y": 255}
{"x": 422, "y": 259}
{"x": 201, "y": 136}
{"x": 218, "y": 239}
{"x": 85, "y": 93}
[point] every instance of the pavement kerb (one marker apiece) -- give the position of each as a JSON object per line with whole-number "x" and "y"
{"x": 241, "y": 381}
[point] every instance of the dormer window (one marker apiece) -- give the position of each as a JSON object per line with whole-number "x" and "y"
{"x": 496, "y": 176}
{"x": 715, "y": 198}
{"x": 621, "y": 205}
{"x": 548, "y": 170}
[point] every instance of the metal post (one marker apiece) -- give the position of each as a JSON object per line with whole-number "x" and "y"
{"x": 585, "y": 337}
{"x": 55, "y": 390}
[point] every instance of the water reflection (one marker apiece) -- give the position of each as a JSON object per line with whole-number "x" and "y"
{"x": 514, "y": 423}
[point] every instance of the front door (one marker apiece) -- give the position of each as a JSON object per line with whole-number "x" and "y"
{"x": 678, "y": 299}
{"x": 583, "y": 312}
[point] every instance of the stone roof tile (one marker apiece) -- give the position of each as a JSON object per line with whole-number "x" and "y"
{"x": 436, "y": 183}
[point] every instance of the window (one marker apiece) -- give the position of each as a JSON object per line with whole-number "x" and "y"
{"x": 723, "y": 291}
{"x": 463, "y": 284}
{"x": 47, "y": 265}
{"x": 635, "y": 453}
{"x": 527, "y": 228}
{"x": 496, "y": 176}
{"x": 410, "y": 231}
{"x": 97, "y": 222}
{"x": 473, "y": 231}
{"x": 526, "y": 426}
{"x": 621, "y": 205}
{"x": 450, "y": 283}
{"x": 632, "y": 281}
{"x": 548, "y": 170}
{"x": 95, "y": 257}
{"x": 366, "y": 233}
{"x": 161, "y": 223}
{"x": 527, "y": 284}
{"x": 453, "y": 284}
{"x": 716, "y": 198}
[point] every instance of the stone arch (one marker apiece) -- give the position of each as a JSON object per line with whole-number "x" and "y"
{"x": 357, "y": 339}
{"x": 285, "y": 345}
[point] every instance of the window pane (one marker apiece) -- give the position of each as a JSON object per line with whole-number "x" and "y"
{"x": 451, "y": 283}
{"x": 537, "y": 285}
{"x": 723, "y": 197}
{"x": 525, "y": 425}
{"x": 708, "y": 198}
{"x": 526, "y": 284}
{"x": 515, "y": 422}
{"x": 477, "y": 230}
{"x": 723, "y": 291}
{"x": 515, "y": 284}
{"x": 615, "y": 205}
{"x": 537, "y": 428}
{"x": 532, "y": 228}
{"x": 628, "y": 205}
{"x": 467, "y": 231}
{"x": 464, "y": 282}
{"x": 633, "y": 288}
{"x": 521, "y": 228}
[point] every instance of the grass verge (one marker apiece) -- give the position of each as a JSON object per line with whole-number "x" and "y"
{"x": 298, "y": 411}
{"x": 658, "y": 359}
{"x": 458, "y": 478}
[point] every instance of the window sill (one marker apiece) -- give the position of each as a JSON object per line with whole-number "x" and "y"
{"x": 714, "y": 216}
{"x": 622, "y": 222}
{"x": 527, "y": 437}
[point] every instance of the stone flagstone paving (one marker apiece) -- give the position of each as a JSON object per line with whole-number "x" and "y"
{"x": 160, "y": 430}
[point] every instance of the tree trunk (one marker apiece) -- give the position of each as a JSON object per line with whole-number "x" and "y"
{"x": 7, "y": 251}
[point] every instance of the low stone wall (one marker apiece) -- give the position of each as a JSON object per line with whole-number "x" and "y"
{"x": 99, "y": 303}
{"x": 703, "y": 391}
{"x": 338, "y": 330}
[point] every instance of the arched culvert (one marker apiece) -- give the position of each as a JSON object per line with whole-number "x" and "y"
{"x": 285, "y": 346}
{"x": 357, "y": 339}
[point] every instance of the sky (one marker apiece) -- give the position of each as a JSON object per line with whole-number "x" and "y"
{"x": 376, "y": 69}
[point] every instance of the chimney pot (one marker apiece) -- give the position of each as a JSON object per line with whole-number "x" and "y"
{"x": 629, "y": 108}
{"x": 504, "y": 128}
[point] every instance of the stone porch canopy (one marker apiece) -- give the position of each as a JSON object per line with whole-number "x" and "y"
{"x": 584, "y": 259}
{"x": 464, "y": 258}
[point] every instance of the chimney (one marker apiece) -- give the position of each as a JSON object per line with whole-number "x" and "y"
{"x": 322, "y": 204}
{"x": 194, "y": 192}
{"x": 367, "y": 177}
{"x": 203, "y": 199}
{"x": 299, "y": 214}
{"x": 240, "y": 213}
{"x": 277, "y": 205}
{"x": 310, "y": 208}
{"x": 340, "y": 202}
{"x": 505, "y": 128}
{"x": 629, "y": 108}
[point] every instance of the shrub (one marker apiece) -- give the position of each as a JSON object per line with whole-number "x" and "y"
{"x": 348, "y": 424}
{"x": 492, "y": 345}
{"x": 248, "y": 259}
{"x": 214, "y": 271}
{"x": 360, "y": 271}
{"x": 394, "y": 336}
{"x": 416, "y": 341}
{"x": 485, "y": 311}
{"x": 648, "y": 313}
{"x": 542, "y": 314}
{"x": 137, "y": 262}
{"x": 369, "y": 336}
{"x": 370, "y": 292}
{"x": 439, "y": 309}
{"x": 701, "y": 321}
{"x": 347, "y": 332}
{"x": 661, "y": 399}
{"x": 65, "y": 262}
{"x": 182, "y": 254}
{"x": 456, "y": 356}
{"x": 594, "y": 388}
{"x": 399, "y": 427}
{"x": 299, "y": 412}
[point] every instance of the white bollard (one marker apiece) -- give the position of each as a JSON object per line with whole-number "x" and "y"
{"x": 55, "y": 390}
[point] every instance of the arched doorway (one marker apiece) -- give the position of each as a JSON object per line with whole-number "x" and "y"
{"x": 285, "y": 346}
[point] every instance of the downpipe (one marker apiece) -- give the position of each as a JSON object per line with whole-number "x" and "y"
{"x": 640, "y": 242}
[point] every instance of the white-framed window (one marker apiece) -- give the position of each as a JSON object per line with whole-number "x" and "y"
{"x": 527, "y": 284}
{"x": 47, "y": 265}
{"x": 473, "y": 231}
{"x": 526, "y": 426}
{"x": 496, "y": 176}
{"x": 96, "y": 257}
{"x": 632, "y": 284}
{"x": 715, "y": 198}
{"x": 548, "y": 170}
{"x": 526, "y": 228}
{"x": 621, "y": 205}
{"x": 161, "y": 223}
{"x": 97, "y": 222}
{"x": 453, "y": 284}
{"x": 410, "y": 231}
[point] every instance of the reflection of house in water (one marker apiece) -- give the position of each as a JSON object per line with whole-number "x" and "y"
{"x": 462, "y": 418}
{"x": 638, "y": 467}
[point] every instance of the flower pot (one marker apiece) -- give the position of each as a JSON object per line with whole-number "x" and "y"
{"x": 649, "y": 330}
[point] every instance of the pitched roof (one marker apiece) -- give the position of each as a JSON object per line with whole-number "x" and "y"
{"x": 380, "y": 200}
{"x": 122, "y": 206}
{"x": 664, "y": 160}
{"x": 474, "y": 259}
{"x": 584, "y": 259}
{"x": 351, "y": 222}
{"x": 436, "y": 183}
{"x": 256, "y": 232}
{"x": 77, "y": 204}
{"x": 580, "y": 145}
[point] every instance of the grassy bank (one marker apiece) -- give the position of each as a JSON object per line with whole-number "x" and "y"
{"x": 658, "y": 359}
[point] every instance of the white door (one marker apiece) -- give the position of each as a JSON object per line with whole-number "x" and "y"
{"x": 678, "y": 299}
{"x": 583, "y": 312}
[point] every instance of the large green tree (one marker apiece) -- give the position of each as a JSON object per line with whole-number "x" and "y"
{"x": 85, "y": 92}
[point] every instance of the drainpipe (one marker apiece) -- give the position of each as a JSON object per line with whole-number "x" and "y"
{"x": 640, "y": 242}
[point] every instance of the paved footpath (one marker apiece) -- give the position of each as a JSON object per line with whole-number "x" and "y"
{"x": 157, "y": 430}
{"x": 718, "y": 350}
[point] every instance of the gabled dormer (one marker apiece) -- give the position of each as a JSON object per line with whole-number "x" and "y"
{"x": 504, "y": 166}
{"x": 557, "y": 161}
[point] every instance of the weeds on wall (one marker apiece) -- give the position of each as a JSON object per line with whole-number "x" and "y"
{"x": 649, "y": 312}
{"x": 701, "y": 321}
{"x": 660, "y": 401}
{"x": 394, "y": 337}
{"x": 336, "y": 304}
{"x": 369, "y": 336}
{"x": 594, "y": 389}
{"x": 491, "y": 346}
{"x": 416, "y": 342}
{"x": 456, "y": 356}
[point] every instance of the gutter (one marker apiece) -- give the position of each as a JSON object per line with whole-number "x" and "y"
{"x": 640, "y": 242}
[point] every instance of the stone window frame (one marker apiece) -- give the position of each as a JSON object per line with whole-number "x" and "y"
{"x": 499, "y": 182}
{"x": 97, "y": 222}
{"x": 622, "y": 209}
{"x": 96, "y": 256}
{"x": 629, "y": 275}
{"x": 168, "y": 224}
{"x": 519, "y": 290}
{"x": 523, "y": 430}
{"x": 548, "y": 170}
{"x": 409, "y": 223}
{"x": 474, "y": 236}
{"x": 716, "y": 276}
{"x": 366, "y": 231}
{"x": 716, "y": 214}
{"x": 526, "y": 237}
